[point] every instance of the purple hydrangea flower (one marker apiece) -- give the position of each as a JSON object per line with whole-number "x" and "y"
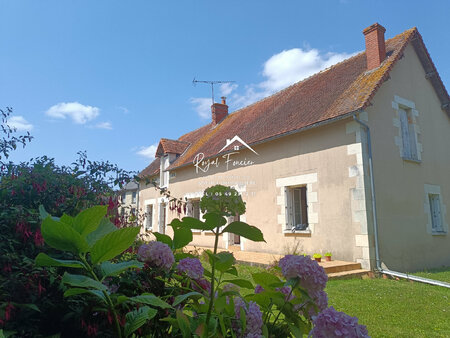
{"x": 258, "y": 288}
{"x": 286, "y": 290}
{"x": 320, "y": 299}
{"x": 331, "y": 323}
{"x": 311, "y": 275}
{"x": 230, "y": 287}
{"x": 192, "y": 267}
{"x": 253, "y": 316}
{"x": 156, "y": 253}
{"x": 201, "y": 285}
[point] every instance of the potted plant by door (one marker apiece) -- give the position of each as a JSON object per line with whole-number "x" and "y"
{"x": 317, "y": 257}
{"x": 328, "y": 256}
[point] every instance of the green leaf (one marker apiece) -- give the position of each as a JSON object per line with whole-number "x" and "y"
{"x": 241, "y": 282}
{"x": 111, "y": 269}
{"x": 225, "y": 261}
{"x": 150, "y": 299}
{"x": 183, "y": 323}
{"x": 44, "y": 260}
{"x": 105, "y": 227}
{"x": 196, "y": 224}
{"x": 135, "y": 319}
{"x": 78, "y": 291}
{"x": 43, "y": 214}
{"x": 88, "y": 220}
{"x": 243, "y": 229}
{"x": 112, "y": 244}
{"x": 181, "y": 298}
{"x": 181, "y": 237}
{"x": 62, "y": 236}
{"x": 82, "y": 281}
{"x": 213, "y": 220}
{"x": 67, "y": 219}
{"x": 232, "y": 271}
{"x": 163, "y": 238}
{"x": 267, "y": 280}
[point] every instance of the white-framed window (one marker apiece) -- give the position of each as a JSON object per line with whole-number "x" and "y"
{"x": 133, "y": 197}
{"x": 406, "y": 120}
{"x": 435, "y": 212}
{"x": 296, "y": 208}
{"x": 149, "y": 217}
{"x": 124, "y": 197}
{"x": 409, "y": 142}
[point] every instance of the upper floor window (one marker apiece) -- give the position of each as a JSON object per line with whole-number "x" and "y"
{"x": 133, "y": 198}
{"x": 124, "y": 197}
{"x": 409, "y": 143}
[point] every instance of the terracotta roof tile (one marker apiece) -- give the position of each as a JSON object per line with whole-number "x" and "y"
{"x": 335, "y": 92}
{"x": 152, "y": 169}
{"x": 167, "y": 146}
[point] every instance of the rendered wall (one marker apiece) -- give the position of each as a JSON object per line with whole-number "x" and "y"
{"x": 406, "y": 241}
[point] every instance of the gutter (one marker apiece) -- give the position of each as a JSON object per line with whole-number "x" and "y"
{"x": 375, "y": 223}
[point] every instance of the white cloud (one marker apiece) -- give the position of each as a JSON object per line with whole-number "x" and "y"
{"x": 227, "y": 88}
{"x": 279, "y": 71}
{"x": 148, "y": 152}
{"x": 125, "y": 110}
{"x": 79, "y": 113}
{"x": 202, "y": 106}
{"x": 104, "y": 125}
{"x": 19, "y": 123}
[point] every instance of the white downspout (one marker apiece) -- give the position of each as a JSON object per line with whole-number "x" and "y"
{"x": 375, "y": 222}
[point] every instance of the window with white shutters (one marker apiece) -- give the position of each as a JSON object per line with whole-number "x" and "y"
{"x": 435, "y": 210}
{"x": 408, "y": 135}
{"x": 149, "y": 218}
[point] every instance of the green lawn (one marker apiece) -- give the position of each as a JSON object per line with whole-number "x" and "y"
{"x": 391, "y": 308}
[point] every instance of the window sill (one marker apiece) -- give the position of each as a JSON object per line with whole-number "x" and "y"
{"x": 413, "y": 160}
{"x": 297, "y": 233}
{"x": 439, "y": 233}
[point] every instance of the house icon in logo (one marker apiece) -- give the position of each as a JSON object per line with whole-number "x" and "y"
{"x": 236, "y": 147}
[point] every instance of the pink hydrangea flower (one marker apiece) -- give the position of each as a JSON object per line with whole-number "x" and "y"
{"x": 311, "y": 275}
{"x": 192, "y": 267}
{"x": 331, "y": 323}
{"x": 253, "y": 316}
{"x": 156, "y": 253}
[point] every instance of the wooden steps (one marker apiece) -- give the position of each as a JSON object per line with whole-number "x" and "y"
{"x": 335, "y": 269}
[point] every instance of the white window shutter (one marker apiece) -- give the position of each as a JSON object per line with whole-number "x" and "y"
{"x": 412, "y": 142}
{"x": 436, "y": 212}
{"x": 405, "y": 133}
{"x": 288, "y": 207}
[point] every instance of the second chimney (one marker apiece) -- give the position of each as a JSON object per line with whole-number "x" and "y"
{"x": 375, "y": 46}
{"x": 219, "y": 111}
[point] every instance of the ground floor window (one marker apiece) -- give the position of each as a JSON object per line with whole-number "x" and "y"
{"x": 297, "y": 208}
{"x": 435, "y": 210}
{"x": 149, "y": 217}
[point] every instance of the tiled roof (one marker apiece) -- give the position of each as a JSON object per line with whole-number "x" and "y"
{"x": 338, "y": 91}
{"x": 152, "y": 169}
{"x": 167, "y": 146}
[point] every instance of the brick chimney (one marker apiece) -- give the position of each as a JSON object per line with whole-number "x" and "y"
{"x": 219, "y": 111}
{"x": 375, "y": 46}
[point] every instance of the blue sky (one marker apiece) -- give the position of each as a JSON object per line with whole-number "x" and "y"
{"x": 113, "y": 77}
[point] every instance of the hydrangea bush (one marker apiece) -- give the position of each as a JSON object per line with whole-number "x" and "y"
{"x": 160, "y": 290}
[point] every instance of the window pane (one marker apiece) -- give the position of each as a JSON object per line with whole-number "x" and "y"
{"x": 405, "y": 133}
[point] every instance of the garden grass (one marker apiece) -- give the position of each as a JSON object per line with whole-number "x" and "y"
{"x": 389, "y": 307}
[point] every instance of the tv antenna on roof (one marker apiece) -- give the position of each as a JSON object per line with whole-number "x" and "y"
{"x": 212, "y": 83}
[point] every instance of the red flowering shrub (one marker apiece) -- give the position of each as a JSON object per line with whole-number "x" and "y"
{"x": 31, "y": 300}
